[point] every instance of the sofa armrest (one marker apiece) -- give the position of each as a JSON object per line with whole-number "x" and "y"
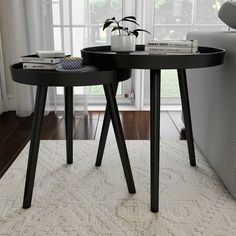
{"x": 212, "y": 94}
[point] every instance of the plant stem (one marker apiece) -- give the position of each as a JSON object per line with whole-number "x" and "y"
{"x": 118, "y": 25}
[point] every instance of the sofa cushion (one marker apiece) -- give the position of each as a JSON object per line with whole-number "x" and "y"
{"x": 227, "y": 14}
{"x": 212, "y": 95}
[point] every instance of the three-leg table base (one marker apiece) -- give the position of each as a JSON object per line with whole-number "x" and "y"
{"x": 34, "y": 144}
{"x": 155, "y": 87}
{"x": 155, "y": 81}
{"x": 68, "y": 93}
{"x": 114, "y": 114}
{"x": 112, "y": 111}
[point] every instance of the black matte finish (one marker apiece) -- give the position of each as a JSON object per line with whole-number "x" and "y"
{"x": 187, "y": 115}
{"x": 155, "y": 86}
{"x": 34, "y": 144}
{"x": 114, "y": 114}
{"x": 102, "y": 57}
{"x": 69, "y": 125}
{"x": 104, "y": 132}
{"x": 91, "y": 76}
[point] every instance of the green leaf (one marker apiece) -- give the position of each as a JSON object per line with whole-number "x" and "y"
{"x": 107, "y": 20}
{"x": 132, "y": 21}
{"x": 129, "y": 17}
{"x": 119, "y": 28}
{"x": 107, "y": 23}
{"x": 138, "y": 30}
{"x": 135, "y": 33}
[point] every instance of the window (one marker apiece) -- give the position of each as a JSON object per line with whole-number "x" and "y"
{"x": 78, "y": 24}
{"x": 174, "y": 19}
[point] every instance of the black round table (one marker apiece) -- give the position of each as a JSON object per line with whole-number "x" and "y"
{"x": 102, "y": 57}
{"x": 89, "y": 76}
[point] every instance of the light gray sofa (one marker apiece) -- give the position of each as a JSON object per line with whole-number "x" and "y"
{"x": 212, "y": 93}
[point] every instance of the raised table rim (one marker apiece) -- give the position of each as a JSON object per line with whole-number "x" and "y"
{"x": 102, "y": 57}
{"x": 92, "y": 76}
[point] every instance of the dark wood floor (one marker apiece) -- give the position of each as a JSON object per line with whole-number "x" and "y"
{"x": 15, "y": 131}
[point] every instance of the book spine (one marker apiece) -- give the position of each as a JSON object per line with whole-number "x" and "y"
{"x": 171, "y": 49}
{"x": 193, "y": 43}
{"x": 40, "y": 60}
{"x": 36, "y": 66}
{"x": 49, "y": 54}
{"x": 171, "y": 53}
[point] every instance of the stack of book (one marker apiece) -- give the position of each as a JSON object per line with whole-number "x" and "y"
{"x": 42, "y": 60}
{"x": 169, "y": 47}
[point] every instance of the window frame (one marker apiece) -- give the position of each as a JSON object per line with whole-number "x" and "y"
{"x": 92, "y": 99}
{"x": 150, "y": 25}
{"x": 138, "y": 82}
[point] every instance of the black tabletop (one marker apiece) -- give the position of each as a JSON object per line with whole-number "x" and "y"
{"x": 89, "y": 76}
{"x": 103, "y": 57}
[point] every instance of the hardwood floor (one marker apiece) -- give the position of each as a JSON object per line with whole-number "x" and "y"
{"x": 15, "y": 132}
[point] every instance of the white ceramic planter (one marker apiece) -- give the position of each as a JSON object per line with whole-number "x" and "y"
{"x": 123, "y": 43}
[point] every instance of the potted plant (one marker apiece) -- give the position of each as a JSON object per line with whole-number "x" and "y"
{"x": 125, "y": 40}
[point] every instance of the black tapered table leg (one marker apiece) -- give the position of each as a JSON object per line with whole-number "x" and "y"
{"x": 34, "y": 144}
{"x": 114, "y": 114}
{"x": 187, "y": 115}
{"x": 104, "y": 132}
{"x": 155, "y": 82}
{"x": 68, "y": 93}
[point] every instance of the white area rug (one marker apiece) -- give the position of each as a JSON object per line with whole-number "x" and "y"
{"x": 81, "y": 199}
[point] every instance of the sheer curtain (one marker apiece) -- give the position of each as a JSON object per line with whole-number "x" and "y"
{"x": 23, "y": 33}
{"x": 26, "y": 27}
{"x": 3, "y": 92}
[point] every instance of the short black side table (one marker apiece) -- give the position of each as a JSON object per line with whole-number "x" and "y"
{"x": 104, "y": 58}
{"x": 90, "y": 76}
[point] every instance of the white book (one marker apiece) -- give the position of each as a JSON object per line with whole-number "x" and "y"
{"x": 173, "y": 43}
{"x": 36, "y": 59}
{"x": 38, "y": 66}
{"x": 171, "y": 53}
{"x": 46, "y": 53}
{"x": 171, "y": 49}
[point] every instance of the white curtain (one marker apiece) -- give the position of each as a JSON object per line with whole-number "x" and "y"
{"x": 22, "y": 28}
{"x": 3, "y": 92}
{"x": 26, "y": 27}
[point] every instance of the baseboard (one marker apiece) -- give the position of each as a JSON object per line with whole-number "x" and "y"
{"x": 99, "y": 107}
{"x": 2, "y": 106}
{"x": 11, "y": 102}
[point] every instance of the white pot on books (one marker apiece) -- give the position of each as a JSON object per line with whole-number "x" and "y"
{"x": 123, "y": 43}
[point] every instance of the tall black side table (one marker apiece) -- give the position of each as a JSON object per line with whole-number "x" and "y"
{"x": 102, "y": 57}
{"x": 90, "y": 76}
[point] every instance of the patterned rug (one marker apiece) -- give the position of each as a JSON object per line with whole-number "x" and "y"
{"x": 81, "y": 199}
